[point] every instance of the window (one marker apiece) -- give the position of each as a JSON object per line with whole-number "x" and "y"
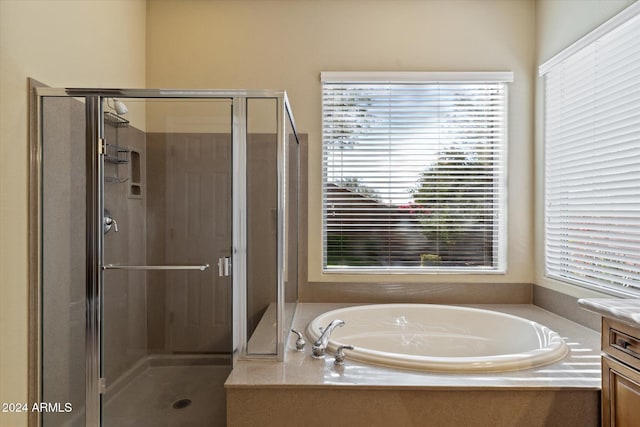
{"x": 414, "y": 172}
{"x": 592, "y": 158}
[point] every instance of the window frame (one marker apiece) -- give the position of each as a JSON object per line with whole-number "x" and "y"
{"x": 500, "y": 258}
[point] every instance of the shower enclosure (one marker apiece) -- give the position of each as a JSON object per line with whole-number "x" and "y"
{"x": 164, "y": 247}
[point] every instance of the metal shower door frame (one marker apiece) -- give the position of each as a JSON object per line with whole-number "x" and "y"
{"x": 94, "y": 135}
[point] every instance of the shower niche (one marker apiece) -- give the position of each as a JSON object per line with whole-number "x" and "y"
{"x": 199, "y": 266}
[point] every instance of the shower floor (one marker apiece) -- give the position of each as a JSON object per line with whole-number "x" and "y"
{"x": 148, "y": 400}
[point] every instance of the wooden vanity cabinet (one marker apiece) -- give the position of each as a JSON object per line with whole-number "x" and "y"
{"x": 620, "y": 374}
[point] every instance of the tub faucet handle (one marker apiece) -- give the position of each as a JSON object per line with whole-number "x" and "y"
{"x": 340, "y": 356}
{"x": 300, "y": 342}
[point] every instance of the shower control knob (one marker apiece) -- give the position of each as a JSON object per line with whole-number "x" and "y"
{"x": 109, "y": 222}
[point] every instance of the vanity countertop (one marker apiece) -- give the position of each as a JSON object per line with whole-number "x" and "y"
{"x": 626, "y": 310}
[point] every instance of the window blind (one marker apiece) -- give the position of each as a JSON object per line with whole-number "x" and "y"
{"x": 592, "y": 162}
{"x": 413, "y": 174}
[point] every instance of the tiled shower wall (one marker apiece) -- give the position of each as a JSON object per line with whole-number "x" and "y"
{"x": 124, "y": 320}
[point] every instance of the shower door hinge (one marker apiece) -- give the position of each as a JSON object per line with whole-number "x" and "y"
{"x": 102, "y": 146}
{"x": 102, "y": 385}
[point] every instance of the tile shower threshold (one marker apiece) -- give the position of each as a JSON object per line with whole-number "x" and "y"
{"x": 580, "y": 370}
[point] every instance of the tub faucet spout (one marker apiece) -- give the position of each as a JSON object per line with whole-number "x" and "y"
{"x": 321, "y": 343}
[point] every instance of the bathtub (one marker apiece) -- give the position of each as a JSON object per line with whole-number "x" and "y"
{"x": 440, "y": 338}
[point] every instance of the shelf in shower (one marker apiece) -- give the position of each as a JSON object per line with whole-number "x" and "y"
{"x": 115, "y": 120}
{"x": 116, "y": 154}
{"x": 115, "y": 179}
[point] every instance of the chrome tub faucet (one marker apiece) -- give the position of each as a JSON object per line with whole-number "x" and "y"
{"x": 321, "y": 343}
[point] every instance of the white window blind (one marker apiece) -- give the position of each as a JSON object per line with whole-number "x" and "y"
{"x": 414, "y": 172}
{"x": 592, "y": 160}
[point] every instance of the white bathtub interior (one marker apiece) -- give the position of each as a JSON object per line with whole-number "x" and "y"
{"x": 441, "y": 338}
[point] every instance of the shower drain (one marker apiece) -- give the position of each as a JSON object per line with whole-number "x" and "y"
{"x": 181, "y": 404}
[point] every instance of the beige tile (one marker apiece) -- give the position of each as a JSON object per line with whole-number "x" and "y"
{"x": 352, "y": 408}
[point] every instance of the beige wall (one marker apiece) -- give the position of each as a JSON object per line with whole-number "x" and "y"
{"x": 269, "y": 44}
{"x": 558, "y": 25}
{"x": 98, "y": 43}
{"x": 286, "y": 44}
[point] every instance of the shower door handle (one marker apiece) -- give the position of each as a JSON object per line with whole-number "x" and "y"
{"x": 224, "y": 266}
{"x": 201, "y": 267}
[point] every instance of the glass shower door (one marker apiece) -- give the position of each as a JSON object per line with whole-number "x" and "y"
{"x": 167, "y": 287}
{"x": 139, "y": 205}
